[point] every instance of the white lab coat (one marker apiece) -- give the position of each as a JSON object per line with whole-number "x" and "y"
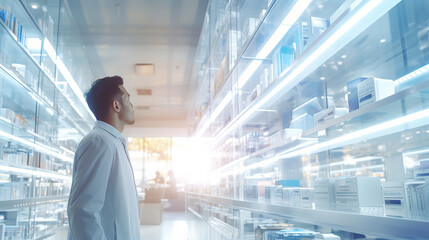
{"x": 103, "y": 201}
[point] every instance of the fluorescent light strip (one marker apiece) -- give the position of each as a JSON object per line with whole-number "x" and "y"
{"x": 65, "y": 72}
{"x": 221, "y": 106}
{"x": 36, "y": 98}
{"x": 283, "y": 28}
{"x": 67, "y": 150}
{"x": 412, "y": 75}
{"x": 215, "y": 114}
{"x": 280, "y": 32}
{"x": 310, "y": 142}
{"x": 34, "y": 172}
{"x": 335, "y": 40}
{"x": 50, "y": 111}
{"x": 331, "y": 41}
{"x": 416, "y": 152}
{"x": 357, "y": 169}
{"x": 39, "y": 147}
{"x": 355, "y": 160}
{"x": 248, "y": 73}
{"x": 262, "y": 175}
{"x": 259, "y": 164}
{"x": 49, "y": 50}
{"x": 374, "y": 131}
{"x": 275, "y": 158}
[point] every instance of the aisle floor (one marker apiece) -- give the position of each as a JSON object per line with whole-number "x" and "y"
{"x": 173, "y": 227}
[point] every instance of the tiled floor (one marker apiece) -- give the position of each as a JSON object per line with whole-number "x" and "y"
{"x": 173, "y": 227}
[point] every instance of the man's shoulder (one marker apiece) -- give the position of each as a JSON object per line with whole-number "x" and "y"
{"x": 98, "y": 136}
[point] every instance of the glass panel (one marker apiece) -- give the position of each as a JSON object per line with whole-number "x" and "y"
{"x": 328, "y": 106}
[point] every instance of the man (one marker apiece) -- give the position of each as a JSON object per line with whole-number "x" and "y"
{"x": 103, "y": 201}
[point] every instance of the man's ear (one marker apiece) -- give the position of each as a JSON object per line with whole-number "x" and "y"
{"x": 116, "y": 106}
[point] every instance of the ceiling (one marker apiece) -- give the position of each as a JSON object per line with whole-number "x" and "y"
{"x": 117, "y": 34}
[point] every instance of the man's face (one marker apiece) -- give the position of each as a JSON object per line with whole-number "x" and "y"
{"x": 127, "y": 113}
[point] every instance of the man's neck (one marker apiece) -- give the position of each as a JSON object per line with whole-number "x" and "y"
{"x": 116, "y": 123}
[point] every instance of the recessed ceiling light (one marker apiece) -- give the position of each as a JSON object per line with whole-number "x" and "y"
{"x": 344, "y": 56}
{"x": 144, "y": 92}
{"x": 145, "y": 69}
{"x": 322, "y": 78}
{"x": 340, "y": 63}
{"x": 142, "y": 107}
{"x": 34, "y": 6}
{"x": 382, "y": 40}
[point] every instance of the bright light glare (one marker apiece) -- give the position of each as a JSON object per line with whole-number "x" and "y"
{"x": 250, "y": 70}
{"x": 179, "y": 230}
{"x": 71, "y": 82}
{"x": 409, "y": 163}
{"x": 191, "y": 160}
{"x": 36, "y": 98}
{"x": 47, "y": 46}
{"x": 215, "y": 114}
{"x": 34, "y": 43}
{"x": 38, "y": 146}
{"x": 417, "y": 73}
{"x": 50, "y": 111}
{"x": 35, "y": 172}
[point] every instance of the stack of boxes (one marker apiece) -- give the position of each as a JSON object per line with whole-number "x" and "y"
{"x": 324, "y": 193}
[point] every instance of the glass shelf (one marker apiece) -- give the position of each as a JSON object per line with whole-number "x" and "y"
{"x": 25, "y": 66}
{"x": 43, "y": 115}
{"x": 329, "y": 95}
{"x": 378, "y": 226}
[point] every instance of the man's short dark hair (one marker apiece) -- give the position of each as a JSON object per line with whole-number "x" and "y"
{"x": 102, "y": 93}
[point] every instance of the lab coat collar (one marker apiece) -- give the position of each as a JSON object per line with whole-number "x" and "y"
{"x": 110, "y": 129}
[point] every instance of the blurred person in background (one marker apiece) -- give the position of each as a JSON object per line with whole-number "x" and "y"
{"x": 158, "y": 178}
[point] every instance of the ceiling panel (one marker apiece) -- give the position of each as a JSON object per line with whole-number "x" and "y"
{"x": 120, "y": 34}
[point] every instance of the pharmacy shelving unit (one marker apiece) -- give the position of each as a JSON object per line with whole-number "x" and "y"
{"x": 316, "y": 113}
{"x": 43, "y": 115}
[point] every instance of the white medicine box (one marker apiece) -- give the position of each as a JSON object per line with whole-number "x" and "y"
{"x": 359, "y": 194}
{"x": 394, "y": 199}
{"x": 374, "y": 89}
